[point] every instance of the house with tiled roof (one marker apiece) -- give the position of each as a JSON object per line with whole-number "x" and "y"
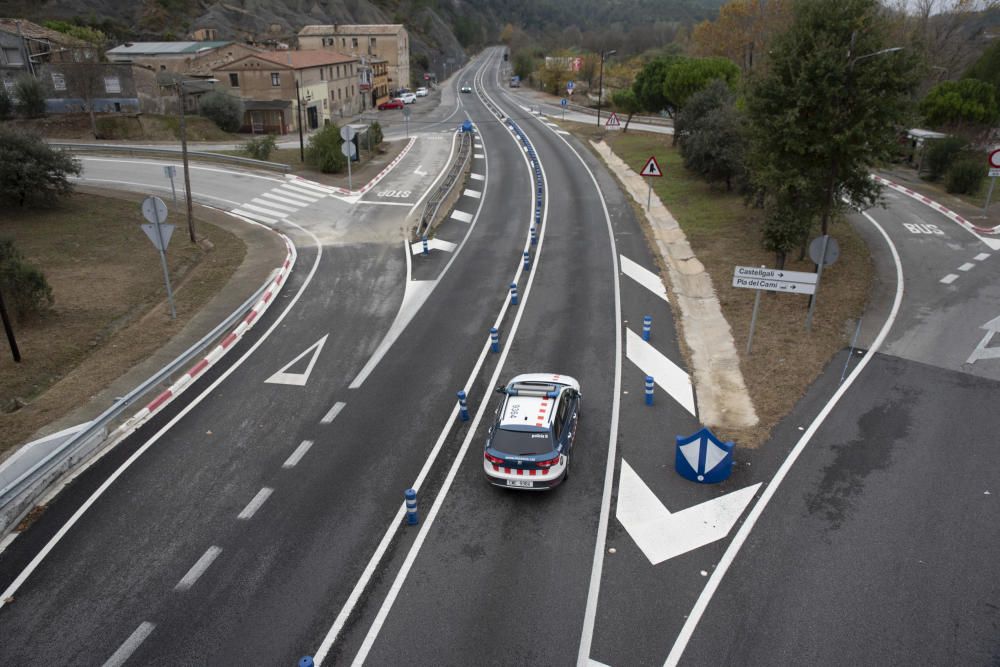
{"x": 388, "y": 42}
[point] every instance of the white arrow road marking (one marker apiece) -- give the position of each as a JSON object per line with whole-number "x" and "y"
{"x": 982, "y": 351}
{"x": 299, "y": 379}
{"x": 662, "y": 535}
{"x": 433, "y": 244}
{"x": 419, "y": 171}
{"x": 666, "y": 373}
{"x": 644, "y": 277}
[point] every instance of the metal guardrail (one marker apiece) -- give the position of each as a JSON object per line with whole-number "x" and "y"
{"x": 173, "y": 152}
{"x": 434, "y": 202}
{"x": 17, "y": 494}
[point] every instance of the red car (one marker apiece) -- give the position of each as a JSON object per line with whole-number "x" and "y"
{"x": 394, "y": 103}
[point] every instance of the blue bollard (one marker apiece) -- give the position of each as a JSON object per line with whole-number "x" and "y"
{"x": 411, "y": 507}
{"x": 527, "y": 260}
{"x": 647, "y": 326}
{"x": 534, "y": 235}
{"x": 649, "y": 390}
{"x": 513, "y": 294}
{"x": 494, "y": 340}
{"x": 538, "y": 217}
{"x": 426, "y": 247}
{"x": 463, "y": 407}
{"x": 306, "y": 661}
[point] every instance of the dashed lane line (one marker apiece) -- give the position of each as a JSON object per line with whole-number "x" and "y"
{"x": 301, "y": 450}
{"x": 255, "y": 504}
{"x": 130, "y": 645}
{"x": 332, "y": 414}
{"x": 198, "y": 569}
{"x": 950, "y": 278}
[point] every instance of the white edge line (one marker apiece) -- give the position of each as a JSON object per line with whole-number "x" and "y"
{"x": 130, "y": 645}
{"x": 297, "y": 455}
{"x": 198, "y": 569}
{"x": 255, "y": 504}
{"x": 40, "y": 556}
{"x": 744, "y": 532}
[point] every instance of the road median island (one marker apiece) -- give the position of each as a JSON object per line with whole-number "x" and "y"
{"x": 712, "y": 233}
{"x": 110, "y": 328}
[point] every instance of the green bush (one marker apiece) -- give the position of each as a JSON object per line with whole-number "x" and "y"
{"x": 223, "y": 110}
{"x": 939, "y": 154}
{"x": 965, "y": 176}
{"x": 323, "y": 151}
{"x": 24, "y": 286}
{"x": 6, "y": 104}
{"x": 29, "y": 96}
{"x": 260, "y": 148}
{"x": 374, "y": 134}
{"x": 29, "y": 168}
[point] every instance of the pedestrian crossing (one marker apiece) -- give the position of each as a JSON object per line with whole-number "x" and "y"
{"x": 275, "y": 205}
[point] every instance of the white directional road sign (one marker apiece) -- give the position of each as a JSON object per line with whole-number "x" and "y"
{"x": 774, "y": 280}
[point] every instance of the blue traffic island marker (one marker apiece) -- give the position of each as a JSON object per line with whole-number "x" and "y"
{"x": 647, "y": 327}
{"x": 703, "y": 458}
{"x": 527, "y": 260}
{"x": 426, "y": 246}
{"x": 411, "y": 507}
{"x": 513, "y": 294}
{"x": 463, "y": 406}
{"x": 494, "y": 340}
{"x": 649, "y": 390}
{"x": 305, "y": 661}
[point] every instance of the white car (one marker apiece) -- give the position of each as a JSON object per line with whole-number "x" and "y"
{"x": 421, "y": 92}
{"x": 466, "y": 88}
{"x": 408, "y": 98}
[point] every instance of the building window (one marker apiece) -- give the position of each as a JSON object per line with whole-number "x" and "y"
{"x": 58, "y": 81}
{"x": 275, "y": 78}
{"x": 324, "y": 102}
{"x": 371, "y": 42}
{"x": 338, "y": 93}
{"x": 12, "y": 56}
{"x": 163, "y": 68}
{"x": 112, "y": 84}
{"x": 322, "y": 74}
{"x": 338, "y": 71}
{"x": 234, "y": 79}
{"x": 343, "y": 42}
{"x": 354, "y": 42}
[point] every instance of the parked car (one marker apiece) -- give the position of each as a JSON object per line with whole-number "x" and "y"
{"x": 421, "y": 92}
{"x": 394, "y": 103}
{"x": 408, "y": 98}
{"x": 532, "y": 436}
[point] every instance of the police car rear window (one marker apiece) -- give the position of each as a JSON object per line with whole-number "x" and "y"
{"x": 521, "y": 442}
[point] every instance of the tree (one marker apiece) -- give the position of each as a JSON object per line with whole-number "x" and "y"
{"x": 86, "y": 81}
{"x": 29, "y": 168}
{"x": 25, "y": 285}
{"x": 712, "y": 135}
{"x": 742, "y": 32}
{"x": 29, "y": 97}
{"x": 6, "y": 104}
{"x": 323, "y": 151}
{"x": 224, "y": 110}
{"x": 625, "y": 101}
{"x": 524, "y": 64}
{"x": 686, "y": 77}
{"x": 648, "y": 85}
{"x": 987, "y": 68}
{"x": 260, "y": 148}
{"x": 828, "y": 106}
{"x": 958, "y": 104}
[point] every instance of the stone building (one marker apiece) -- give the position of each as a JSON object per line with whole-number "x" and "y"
{"x": 388, "y": 42}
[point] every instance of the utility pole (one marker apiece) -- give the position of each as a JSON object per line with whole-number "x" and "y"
{"x": 600, "y": 83}
{"x": 184, "y": 159}
{"x": 302, "y": 142}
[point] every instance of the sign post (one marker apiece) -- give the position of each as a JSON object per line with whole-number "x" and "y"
{"x": 170, "y": 171}
{"x": 154, "y": 210}
{"x": 347, "y": 148}
{"x": 563, "y": 102}
{"x": 823, "y": 250}
{"x": 652, "y": 168}
{"x": 406, "y": 120}
{"x": 772, "y": 280}
{"x": 994, "y": 160}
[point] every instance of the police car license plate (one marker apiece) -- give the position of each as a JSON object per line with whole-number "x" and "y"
{"x": 527, "y": 483}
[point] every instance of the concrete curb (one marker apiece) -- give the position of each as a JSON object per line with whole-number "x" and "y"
{"x": 723, "y": 399}
{"x": 947, "y": 212}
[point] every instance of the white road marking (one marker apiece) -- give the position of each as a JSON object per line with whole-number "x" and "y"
{"x": 966, "y": 267}
{"x": 198, "y": 569}
{"x": 665, "y": 372}
{"x": 661, "y": 534}
{"x": 949, "y": 279}
{"x": 275, "y": 205}
{"x": 310, "y": 186}
{"x": 8, "y": 594}
{"x": 561, "y": 132}
{"x": 300, "y": 451}
{"x": 333, "y": 412}
{"x": 981, "y": 256}
{"x": 644, "y": 277}
{"x": 309, "y": 192}
{"x": 432, "y": 244}
{"x": 254, "y": 216}
{"x": 461, "y": 216}
{"x": 255, "y": 504}
{"x": 299, "y": 379}
{"x": 265, "y": 211}
{"x": 757, "y": 510}
{"x": 133, "y": 642}
{"x": 473, "y": 193}
{"x": 983, "y": 351}
{"x": 478, "y": 156}
{"x": 477, "y": 177}
{"x": 285, "y": 199}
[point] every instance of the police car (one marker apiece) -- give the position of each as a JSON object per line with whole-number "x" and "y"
{"x": 529, "y": 443}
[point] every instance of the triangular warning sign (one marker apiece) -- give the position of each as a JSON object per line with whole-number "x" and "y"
{"x": 283, "y": 376}
{"x": 613, "y": 121}
{"x": 652, "y": 168}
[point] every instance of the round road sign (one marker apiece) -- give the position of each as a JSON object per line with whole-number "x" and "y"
{"x": 154, "y": 210}
{"x": 564, "y": 101}
{"x": 816, "y": 250}
{"x": 348, "y": 149}
{"x": 995, "y": 159}
{"x": 347, "y": 133}
{"x": 406, "y": 112}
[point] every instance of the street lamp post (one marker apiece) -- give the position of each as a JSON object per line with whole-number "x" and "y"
{"x": 184, "y": 159}
{"x": 302, "y": 143}
{"x": 600, "y": 82}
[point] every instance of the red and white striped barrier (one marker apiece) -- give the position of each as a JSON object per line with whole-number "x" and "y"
{"x": 382, "y": 174}
{"x": 212, "y": 357}
{"x": 948, "y": 213}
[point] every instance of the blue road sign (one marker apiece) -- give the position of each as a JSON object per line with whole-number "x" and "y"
{"x": 564, "y": 101}
{"x": 703, "y": 458}
{"x": 570, "y": 85}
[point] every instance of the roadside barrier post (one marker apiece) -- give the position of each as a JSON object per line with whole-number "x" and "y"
{"x": 426, "y": 246}
{"x": 527, "y": 260}
{"x": 513, "y": 294}
{"x": 647, "y": 327}
{"x": 494, "y": 340}
{"x": 305, "y": 661}
{"x": 463, "y": 406}
{"x": 411, "y": 507}
{"x": 534, "y": 235}
{"x": 649, "y": 390}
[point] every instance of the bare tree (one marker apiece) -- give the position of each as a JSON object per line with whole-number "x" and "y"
{"x": 85, "y": 81}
